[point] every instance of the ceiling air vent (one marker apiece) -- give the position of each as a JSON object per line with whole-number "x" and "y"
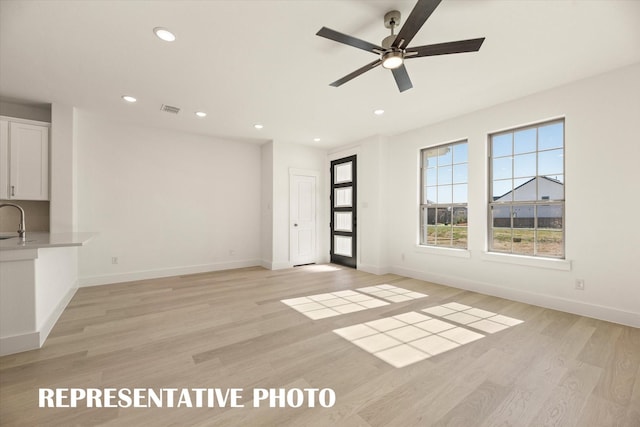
{"x": 170, "y": 109}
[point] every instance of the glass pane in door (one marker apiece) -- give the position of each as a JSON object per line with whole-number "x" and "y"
{"x": 343, "y": 221}
{"x": 342, "y": 245}
{"x": 342, "y": 197}
{"x": 343, "y": 173}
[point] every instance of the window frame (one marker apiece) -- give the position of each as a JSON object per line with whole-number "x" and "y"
{"x": 539, "y": 201}
{"x": 423, "y": 205}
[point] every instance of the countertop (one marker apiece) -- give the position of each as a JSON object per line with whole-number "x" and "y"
{"x": 36, "y": 240}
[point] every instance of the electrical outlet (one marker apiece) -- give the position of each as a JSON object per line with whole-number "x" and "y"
{"x": 114, "y": 260}
{"x": 580, "y": 284}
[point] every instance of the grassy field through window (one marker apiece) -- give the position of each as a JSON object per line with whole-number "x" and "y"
{"x": 528, "y": 241}
{"x": 454, "y": 236}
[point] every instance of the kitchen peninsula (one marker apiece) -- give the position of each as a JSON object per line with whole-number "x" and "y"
{"x": 38, "y": 278}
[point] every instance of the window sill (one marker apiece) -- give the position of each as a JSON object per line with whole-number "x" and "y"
{"x": 550, "y": 263}
{"x": 437, "y": 250}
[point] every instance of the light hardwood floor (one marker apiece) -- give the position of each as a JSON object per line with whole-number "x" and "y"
{"x": 229, "y": 329}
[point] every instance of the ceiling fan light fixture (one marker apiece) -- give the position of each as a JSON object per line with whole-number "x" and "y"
{"x": 395, "y": 48}
{"x": 392, "y": 59}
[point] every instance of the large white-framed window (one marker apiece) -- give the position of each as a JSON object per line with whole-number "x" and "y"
{"x": 443, "y": 197}
{"x": 526, "y": 182}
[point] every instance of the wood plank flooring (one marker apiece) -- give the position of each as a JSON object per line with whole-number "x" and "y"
{"x": 229, "y": 329}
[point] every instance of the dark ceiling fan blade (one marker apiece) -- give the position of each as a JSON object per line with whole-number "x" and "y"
{"x": 356, "y": 73}
{"x": 471, "y": 45}
{"x": 418, "y": 16}
{"x": 402, "y": 78}
{"x": 348, "y": 40}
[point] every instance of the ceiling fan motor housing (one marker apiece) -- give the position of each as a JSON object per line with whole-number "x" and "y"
{"x": 391, "y": 21}
{"x": 386, "y": 42}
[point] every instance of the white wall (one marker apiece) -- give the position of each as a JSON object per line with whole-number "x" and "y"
{"x": 601, "y": 157}
{"x": 266, "y": 204}
{"x": 285, "y": 157}
{"x": 63, "y": 177}
{"x": 163, "y": 202}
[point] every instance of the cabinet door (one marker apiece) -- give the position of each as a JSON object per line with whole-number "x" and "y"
{"x": 4, "y": 159}
{"x": 29, "y": 162}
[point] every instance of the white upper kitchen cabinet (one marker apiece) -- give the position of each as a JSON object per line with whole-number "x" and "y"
{"x": 24, "y": 160}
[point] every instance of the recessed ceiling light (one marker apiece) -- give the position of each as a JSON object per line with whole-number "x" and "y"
{"x": 378, "y": 112}
{"x": 164, "y": 34}
{"x": 258, "y": 126}
{"x": 316, "y": 139}
{"x": 201, "y": 114}
{"x": 129, "y": 98}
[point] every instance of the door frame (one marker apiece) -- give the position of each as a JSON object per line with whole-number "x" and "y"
{"x": 351, "y": 261}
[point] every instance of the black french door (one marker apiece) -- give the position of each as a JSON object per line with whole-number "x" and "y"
{"x": 343, "y": 211}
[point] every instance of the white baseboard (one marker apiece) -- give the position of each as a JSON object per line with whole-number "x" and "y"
{"x": 609, "y": 314}
{"x": 19, "y": 343}
{"x": 167, "y": 272}
{"x": 280, "y": 265}
{"x": 34, "y": 340}
{"x": 373, "y": 269}
{"x": 269, "y": 265}
{"x": 50, "y": 322}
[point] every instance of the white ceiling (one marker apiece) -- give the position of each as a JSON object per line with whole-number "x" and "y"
{"x": 245, "y": 62}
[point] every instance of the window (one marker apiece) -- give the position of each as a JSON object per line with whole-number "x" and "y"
{"x": 443, "y": 200}
{"x": 526, "y": 207}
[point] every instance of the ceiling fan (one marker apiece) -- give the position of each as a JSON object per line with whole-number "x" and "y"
{"x": 395, "y": 48}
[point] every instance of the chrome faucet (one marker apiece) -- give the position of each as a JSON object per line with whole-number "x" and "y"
{"x": 22, "y": 232}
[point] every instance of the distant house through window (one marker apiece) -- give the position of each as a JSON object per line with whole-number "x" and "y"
{"x": 526, "y": 207}
{"x": 443, "y": 199}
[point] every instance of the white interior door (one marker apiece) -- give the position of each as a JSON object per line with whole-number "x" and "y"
{"x": 302, "y": 230}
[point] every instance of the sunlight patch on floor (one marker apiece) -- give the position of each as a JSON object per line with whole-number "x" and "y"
{"x": 485, "y": 321}
{"x": 321, "y": 306}
{"x": 392, "y": 293}
{"x": 410, "y": 337}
